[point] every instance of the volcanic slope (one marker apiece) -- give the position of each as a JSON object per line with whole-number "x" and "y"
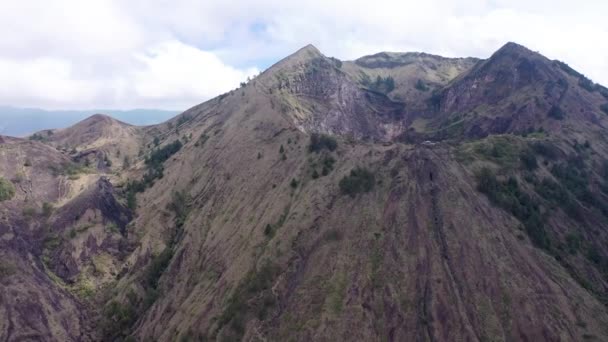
{"x": 252, "y": 233}
{"x": 310, "y": 204}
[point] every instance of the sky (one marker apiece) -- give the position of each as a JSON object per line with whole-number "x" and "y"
{"x": 173, "y": 54}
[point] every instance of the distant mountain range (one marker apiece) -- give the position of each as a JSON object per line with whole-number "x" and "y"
{"x": 22, "y": 121}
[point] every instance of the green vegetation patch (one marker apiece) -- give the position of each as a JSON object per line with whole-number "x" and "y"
{"x": 337, "y": 293}
{"x": 154, "y": 163}
{"x": 574, "y": 182}
{"x": 117, "y": 319}
{"x": 583, "y": 81}
{"x": 71, "y": 170}
{"x": 528, "y": 159}
{"x": 508, "y": 152}
{"x": 360, "y": 180}
{"x": 421, "y": 86}
{"x": 271, "y": 229}
{"x": 381, "y": 84}
{"x": 7, "y": 190}
{"x": 327, "y": 165}
{"x": 47, "y": 209}
{"x": 179, "y": 204}
{"x": 556, "y": 113}
{"x": 157, "y": 267}
{"x": 508, "y": 196}
{"x": 159, "y": 156}
{"x": 546, "y": 150}
{"x": 183, "y": 119}
{"x": 40, "y": 136}
{"x": 320, "y": 142}
{"x": 201, "y": 140}
{"x": 6, "y": 269}
{"x": 503, "y": 150}
{"x": 253, "y": 296}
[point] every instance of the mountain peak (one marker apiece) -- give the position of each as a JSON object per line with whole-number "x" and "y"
{"x": 309, "y": 49}
{"x": 99, "y": 118}
{"x": 304, "y": 54}
{"x": 295, "y": 61}
{"x": 513, "y": 49}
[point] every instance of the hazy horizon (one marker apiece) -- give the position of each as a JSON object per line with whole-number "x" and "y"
{"x": 19, "y": 122}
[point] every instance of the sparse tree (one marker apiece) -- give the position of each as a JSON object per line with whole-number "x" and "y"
{"x": 126, "y": 163}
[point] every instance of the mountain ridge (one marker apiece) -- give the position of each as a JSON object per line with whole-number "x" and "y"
{"x": 314, "y": 204}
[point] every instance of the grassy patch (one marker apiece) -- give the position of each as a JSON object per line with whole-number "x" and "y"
{"x": 47, "y": 209}
{"x": 7, "y": 269}
{"x": 7, "y": 190}
{"x": 337, "y": 293}
{"x": 112, "y": 228}
{"x": 51, "y": 242}
{"x": 28, "y": 212}
{"x": 71, "y": 170}
{"x": 85, "y": 288}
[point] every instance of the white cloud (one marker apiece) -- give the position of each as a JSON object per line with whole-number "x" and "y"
{"x": 168, "y": 75}
{"x": 47, "y": 80}
{"x": 174, "y": 54}
{"x": 173, "y": 70}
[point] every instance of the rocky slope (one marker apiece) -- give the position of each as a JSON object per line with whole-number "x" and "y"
{"x": 311, "y": 204}
{"x": 33, "y": 306}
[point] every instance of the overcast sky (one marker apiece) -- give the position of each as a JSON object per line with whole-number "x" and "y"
{"x": 172, "y": 54}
